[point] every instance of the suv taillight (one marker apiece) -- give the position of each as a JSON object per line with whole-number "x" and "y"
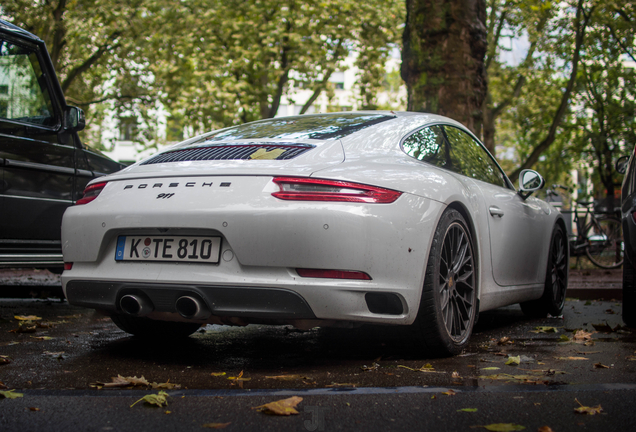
{"x": 90, "y": 193}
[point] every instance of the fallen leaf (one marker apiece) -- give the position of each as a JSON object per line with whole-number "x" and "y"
{"x": 239, "y": 377}
{"x": 426, "y": 368}
{"x": 490, "y": 368}
{"x": 167, "y": 385}
{"x": 120, "y": 381}
{"x": 501, "y": 427}
{"x": 55, "y": 355}
{"x": 4, "y": 359}
{"x": 545, "y": 429}
{"x": 283, "y": 407}
{"x": 216, "y": 425}
{"x": 10, "y": 394}
{"x": 34, "y": 409}
{"x": 158, "y": 399}
{"x": 571, "y": 358}
{"x": 449, "y": 392}
{"x": 217, "y": 373}
{"x": 599, "y": 365}
{"x": 564, "y": 338}
{"x": 513, "y": 361}
{"x": 582, "y": 335}
{"x": 42, "y": 338}
{"x": 588, "y": 410}
{"x": 505, "y": 341}
{"x": 371, "y": 368}
{"x": 27, "y": 318}
{"x": 544, "y": 329}
{"x": 467, "y": 410}
{"x": 288, "y": 377}
{"x": 455, "y": 374}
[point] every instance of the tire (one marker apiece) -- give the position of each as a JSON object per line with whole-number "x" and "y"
{"x": 605, "y": 243}
{"x": 629, "y": 293}
{"x": 448, "y": 306}
{"x": 147, "y": 328}
{"x": 556, "y": 279}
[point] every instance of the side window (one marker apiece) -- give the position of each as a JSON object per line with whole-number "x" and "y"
{"x": 429, "y": 145}
{"x": 475, "y": 160}
{"x": 24, "y": 95}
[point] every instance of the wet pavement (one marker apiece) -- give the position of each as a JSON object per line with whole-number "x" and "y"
{"x": 367, "y": 378}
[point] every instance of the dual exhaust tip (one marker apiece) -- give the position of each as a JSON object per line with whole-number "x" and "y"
{"x": 187, "y": 306}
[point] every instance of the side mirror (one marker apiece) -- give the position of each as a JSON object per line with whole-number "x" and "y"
{"x": 74, "y": 119}
{"x": 529, "y": 181}
{"x": 621, "y": 164}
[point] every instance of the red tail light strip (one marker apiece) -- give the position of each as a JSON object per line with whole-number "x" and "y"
{"x": 333, "y": 274}
{"x": 90, "y": 193}
{"x": 311, "y": 189}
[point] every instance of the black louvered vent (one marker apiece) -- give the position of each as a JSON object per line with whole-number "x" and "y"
{"x": 232, "y": 152}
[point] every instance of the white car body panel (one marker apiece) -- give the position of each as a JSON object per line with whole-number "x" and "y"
{"x": 264, "y": 239}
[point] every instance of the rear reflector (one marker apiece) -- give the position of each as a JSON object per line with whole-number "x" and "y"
{"x": 68, "y": 266}
{"x": 333, "y": 274}
{"x": 90, "y": 193}
{"x": 310, "y": 189}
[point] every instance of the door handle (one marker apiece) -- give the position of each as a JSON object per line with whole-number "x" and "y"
{"x": 496, "y": 211}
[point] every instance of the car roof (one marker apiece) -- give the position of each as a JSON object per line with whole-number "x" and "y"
{"x": 7, "y": 27}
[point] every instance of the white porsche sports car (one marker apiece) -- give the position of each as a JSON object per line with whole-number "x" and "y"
{"x": 317, "y": 220}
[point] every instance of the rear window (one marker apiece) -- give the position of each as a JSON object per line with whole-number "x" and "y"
{"x": 301, "y": 127}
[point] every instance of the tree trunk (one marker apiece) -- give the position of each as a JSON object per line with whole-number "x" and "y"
{"x": 443, "y": 58}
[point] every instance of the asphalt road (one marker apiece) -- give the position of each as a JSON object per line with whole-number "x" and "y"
{"x": 360, "y": 379}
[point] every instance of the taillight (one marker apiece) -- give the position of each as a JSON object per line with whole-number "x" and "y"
{"x": 333, "y": 274}
{"x": 90, "y": 193}
{"x": 634, "y": 216}
{"x": 310, "y": 189}
{"x": 68, "y": 266}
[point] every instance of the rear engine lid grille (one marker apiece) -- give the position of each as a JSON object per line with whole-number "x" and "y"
{"x": 256, "y": 151}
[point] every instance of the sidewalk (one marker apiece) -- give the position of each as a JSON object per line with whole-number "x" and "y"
{"x": 596, "y": 284}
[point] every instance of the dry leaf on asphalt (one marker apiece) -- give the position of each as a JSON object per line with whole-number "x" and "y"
{"x": 158, "y": 399}
{"x": 27, "y": 318}
{"x": 490, "y": 368}
{"x": 544, "y": 329}
{"x": 120, "y": 381}
{"x": 282, "y": 407}
{"x": 455, "y": 374}
{"x": 239, "y": 377}
{"x": 571, "y": 358}
{"x": 216, "y": 374}
{"x": 505, "y": 341}
{"x": 588, "y": 410}
{"x": 513, "y": 360}
{"x": 449, "y": 392}
{"x": 167, "y": 385}
{"x": 582, "y": 335}
{"x": 600, "y": 365}
{"x": 426, "y": 368}
{"x": 10, "y": 394}
{"x": 371, "y": 368}
{"x": 467, "y": 410}
{"x": 4, "y": 359}
{"x": 501, "y": 427}
{"x": 216, "y": 425}
{"x": 34, "y": 409}
{"x": 288, "y": 377}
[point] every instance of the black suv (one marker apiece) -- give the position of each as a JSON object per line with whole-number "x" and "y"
{"x": 627, "y": 165}
{"x": 43, "y": 165}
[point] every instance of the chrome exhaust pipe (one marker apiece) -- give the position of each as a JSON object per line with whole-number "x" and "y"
{"x": 135, "y": 305}
{"x": 192, "y": 308}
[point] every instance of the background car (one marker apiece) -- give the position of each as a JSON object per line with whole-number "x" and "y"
{"x": 329, "y": 219}
{"x": 44, "y": 167}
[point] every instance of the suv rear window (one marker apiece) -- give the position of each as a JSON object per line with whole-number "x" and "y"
{"x": 319, "y": 126}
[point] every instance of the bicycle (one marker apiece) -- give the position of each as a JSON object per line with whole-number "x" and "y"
{"x": 600, "y": 238}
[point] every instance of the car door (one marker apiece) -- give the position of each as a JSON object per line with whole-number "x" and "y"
{"x": 38, "y": 156}
{"x": 517, "y": 227}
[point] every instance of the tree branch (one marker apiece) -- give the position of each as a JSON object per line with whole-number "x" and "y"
{"x": 80, "y": 69}
{"x": 560, "y": 113}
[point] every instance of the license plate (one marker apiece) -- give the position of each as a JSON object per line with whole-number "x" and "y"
{"x": 168, "y": 248}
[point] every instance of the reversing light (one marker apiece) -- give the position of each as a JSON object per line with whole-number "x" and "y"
{"x": 90, "y": 193}
{"x": 68, "y": 266}
{"x": 311, "y": 189}
{"x": 332, "y": 274}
